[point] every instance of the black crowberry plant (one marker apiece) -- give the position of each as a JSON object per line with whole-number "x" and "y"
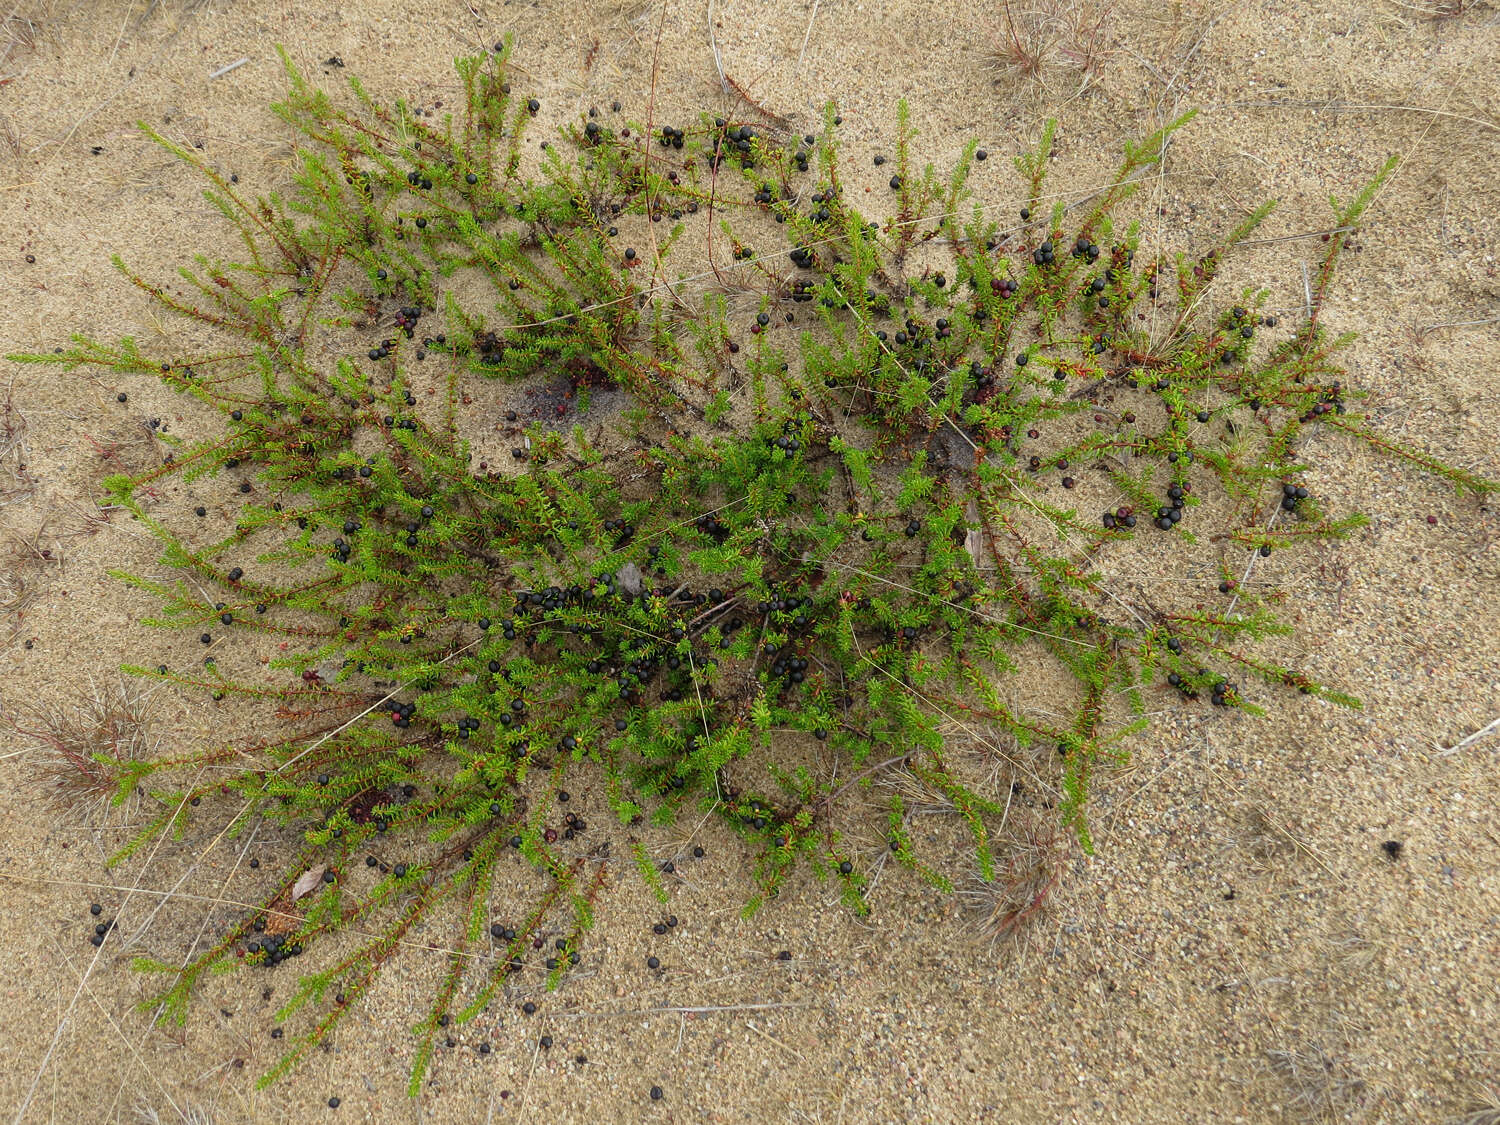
{"x": 854, "y": 481}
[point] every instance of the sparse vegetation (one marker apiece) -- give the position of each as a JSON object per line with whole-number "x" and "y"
{"x": 713, "y": 564}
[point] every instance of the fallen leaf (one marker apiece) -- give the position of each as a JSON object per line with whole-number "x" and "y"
{"x": 974, "y": 538}
{"x": 309, "y": 879}
{"x": 628, "y": 579}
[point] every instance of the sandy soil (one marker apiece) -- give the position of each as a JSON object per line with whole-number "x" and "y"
{"x": 1333, "y": 982}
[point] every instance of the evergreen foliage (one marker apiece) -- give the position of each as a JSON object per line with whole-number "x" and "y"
{"x": 855, "y": 533}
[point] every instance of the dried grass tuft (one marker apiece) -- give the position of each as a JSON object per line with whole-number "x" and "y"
{"x": 1268, "y": 847}
{"x": 1022, "y": 42}
{"x": 67, "y": 743}
{"x": 1028, "y": 861}
{"x": 1318, "y": 1084}
{"x": 1443, "y": 11}
{"x": 1487, "y": 1112}
{"x": 18, "y": 35}
{"x": 1050, "y": 35}
{"x": 16, "y": 482}
{"x": 189, "y": 1114}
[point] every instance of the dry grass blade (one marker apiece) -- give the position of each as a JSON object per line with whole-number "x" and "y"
{"x": 1485, "y": 1110}
{"x": 1027, "y": 866}
{"x": 189, "y": 1115}
{"x": 1083, "y": 42}
{"x": 918, "y": 797}
{"x": 1318, "y": 1084}
{"x": 1492, "y": 727}
{"x": 128, "y": 448}
{"x": 66, "y": 743}
{"x": 1027, "y": 849}
{"x": 1022, "y": 42}
{"x": 17, "y": 37}
{"x": 10, "y": 138}
{"x": 14, "y": 596}
{"x": 1350, "y": 945}
{"x": 13, "y": 448}
{"x": 1267, "y": 846}
{"x": 1064, "y": 33}
{"x": 1441, "y": 12}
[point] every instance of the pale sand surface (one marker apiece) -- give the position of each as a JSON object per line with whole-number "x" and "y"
{"x": 1143, "y": 993}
